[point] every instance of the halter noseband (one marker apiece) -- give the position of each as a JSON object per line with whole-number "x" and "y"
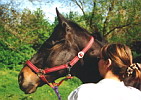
{"x": 41, "y": 72}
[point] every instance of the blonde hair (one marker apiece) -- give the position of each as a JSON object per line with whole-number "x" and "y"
{"x": 121, "y": 58}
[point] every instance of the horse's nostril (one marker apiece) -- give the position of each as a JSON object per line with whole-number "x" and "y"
{"x": 20, "y": 78}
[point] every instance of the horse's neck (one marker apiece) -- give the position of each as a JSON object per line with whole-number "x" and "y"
{"x": 82, "y": 40}
{"x": 89, "y": 71}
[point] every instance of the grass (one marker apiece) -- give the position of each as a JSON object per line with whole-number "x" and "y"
{"x": 9, "y": 89}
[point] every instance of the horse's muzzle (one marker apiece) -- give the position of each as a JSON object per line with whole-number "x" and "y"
{"x": 26, "y": 86}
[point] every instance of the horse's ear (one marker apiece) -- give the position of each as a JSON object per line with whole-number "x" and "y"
{"x": 60, "y": 17}
{"x": 63, "y": 21}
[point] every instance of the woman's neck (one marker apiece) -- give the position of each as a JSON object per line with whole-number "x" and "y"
{"x": 110, "y": 75}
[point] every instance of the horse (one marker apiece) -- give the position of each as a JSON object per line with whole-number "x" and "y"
{"x": 67, "y": 39}
{"x": 57, "y": 57}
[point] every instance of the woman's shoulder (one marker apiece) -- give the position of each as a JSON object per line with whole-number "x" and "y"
{"x": 134, "y": 89}
{"x": 81, "y": 91}
{"x": 134, "y": 92}
{"x": 87, "y": 86}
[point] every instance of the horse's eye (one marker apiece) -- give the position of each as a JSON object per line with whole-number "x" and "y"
{"x": 58, "y": 42}
{"x": 53, "y": 43}
{"x": 61, "y": 41}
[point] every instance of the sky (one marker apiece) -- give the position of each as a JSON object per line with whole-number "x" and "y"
{"x": 48, "y": 8}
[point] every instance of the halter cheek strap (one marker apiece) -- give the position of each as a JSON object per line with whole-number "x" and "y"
{"x": 41, "y": 72}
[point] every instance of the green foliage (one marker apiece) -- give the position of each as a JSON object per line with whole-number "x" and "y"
{"x": 19, "y": 38}
{"x": 13, "y": 59}
{"x": 116, "y": 20}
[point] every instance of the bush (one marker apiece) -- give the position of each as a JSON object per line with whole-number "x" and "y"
{"x": 13, "y": 59}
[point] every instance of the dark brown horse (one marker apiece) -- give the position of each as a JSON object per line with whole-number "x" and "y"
{"x": 63, "y": 45}
{"x": 66, "y": 41}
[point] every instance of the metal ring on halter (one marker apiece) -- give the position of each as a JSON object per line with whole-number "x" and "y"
{"x": 41, "y": 72}
{"x": 69, "y": 67}
{"x": 80, "y": 54}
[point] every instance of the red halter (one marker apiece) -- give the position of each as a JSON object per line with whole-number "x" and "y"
{"x": 41, "y": 73}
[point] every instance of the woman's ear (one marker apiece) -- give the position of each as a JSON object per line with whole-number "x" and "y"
{"x": 108, "y": 63}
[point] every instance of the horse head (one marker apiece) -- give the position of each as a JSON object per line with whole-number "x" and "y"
{"x": 62, "y": 46}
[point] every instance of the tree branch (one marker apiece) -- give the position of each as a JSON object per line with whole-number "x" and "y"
{"x": 92, "y": 16}
{"x": 80, "y": 6}
{"x": 107, "y": 18}
{"x": 122, "y": 26}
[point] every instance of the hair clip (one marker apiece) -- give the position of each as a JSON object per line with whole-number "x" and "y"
{"x": 131, "y": 68}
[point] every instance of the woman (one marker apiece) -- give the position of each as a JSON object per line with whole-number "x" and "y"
{"x": 115, "y": 65}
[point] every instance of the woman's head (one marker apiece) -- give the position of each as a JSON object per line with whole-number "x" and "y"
{"x": 119, "y": 58}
